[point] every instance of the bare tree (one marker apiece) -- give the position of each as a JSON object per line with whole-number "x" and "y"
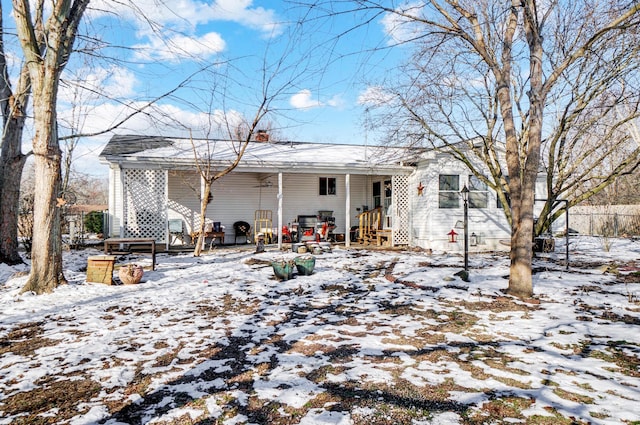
{"x": 204, "y": 156}
{"x": 12, "y": 159}
{"x": 279, "y": 78}
{"x": 485, "y": 76}
{"x": 47, "y": 43}
{"x": 589, "y": 152}
{"x": 47, "y": 33}
{"x": 14, "y": 113}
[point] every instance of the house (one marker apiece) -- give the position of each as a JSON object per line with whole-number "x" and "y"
{"x": 153, "y": 182}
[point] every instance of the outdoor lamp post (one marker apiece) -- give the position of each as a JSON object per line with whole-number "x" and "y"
{"x": 464, "y": 193}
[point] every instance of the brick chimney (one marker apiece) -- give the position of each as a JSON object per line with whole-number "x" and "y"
{"x": 262, "y": 136}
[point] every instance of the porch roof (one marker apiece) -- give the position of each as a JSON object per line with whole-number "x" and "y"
{"x": 297, "y": 157}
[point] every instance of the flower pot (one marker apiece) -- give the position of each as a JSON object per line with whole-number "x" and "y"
{"x": 283, "y": 269}
{"x": 305, "y": 264}
{"x": 130, "y": 274}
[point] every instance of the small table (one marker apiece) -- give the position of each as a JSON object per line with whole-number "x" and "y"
{"x": 212, "y": 235}
{"x": 111, "y": 242}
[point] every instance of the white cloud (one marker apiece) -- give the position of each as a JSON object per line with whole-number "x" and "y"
{"x": 185, "y": 15}
{"x": 336, "y": 101}
{"x": 161, "y": 120}
{"x": 85, "y": 86}
{"x": 400, "y": 27}
{"x": 375, "y": 96}
{"x": 304, "y": 100}
{"x": 181, "y": 47}
{"x": 240, "y": 11}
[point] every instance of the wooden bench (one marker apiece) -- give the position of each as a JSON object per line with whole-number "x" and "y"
{"x": 110, "y": 243}
{"x": 383, "y": 237}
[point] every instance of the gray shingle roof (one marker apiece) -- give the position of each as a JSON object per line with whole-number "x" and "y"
{"x": 175, "y": 152}
{"x": 127, "y": 145}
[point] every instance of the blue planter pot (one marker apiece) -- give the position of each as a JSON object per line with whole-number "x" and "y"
{"x": 305, "y": 264}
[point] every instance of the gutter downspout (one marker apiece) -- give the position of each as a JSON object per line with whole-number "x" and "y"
{"x": 123, "y": 201}
{"x": 347, "y": 209}
{"x": 167, "y": 236}
{"x": 279, "y": 233}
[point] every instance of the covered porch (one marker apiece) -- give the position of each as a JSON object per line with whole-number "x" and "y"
{"x": 286, "y": 207}
{"x": 155, "y": 190}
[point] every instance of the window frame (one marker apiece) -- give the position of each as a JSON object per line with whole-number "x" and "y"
{"x": 448, "y": 195}
{"x": 376, "y": 193}
{"x": 478, "y": 192}
{"x": 327, "y": 186}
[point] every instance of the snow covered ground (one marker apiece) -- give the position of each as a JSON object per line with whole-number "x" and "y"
{"x": 371, "y": 337}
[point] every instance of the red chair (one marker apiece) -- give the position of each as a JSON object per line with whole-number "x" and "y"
{"x": 286, "y": 234}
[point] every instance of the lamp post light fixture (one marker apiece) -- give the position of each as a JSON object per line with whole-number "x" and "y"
{"x": 464, "y": 193}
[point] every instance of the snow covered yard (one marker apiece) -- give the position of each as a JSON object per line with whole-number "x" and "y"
{"x": 371, "y": 337}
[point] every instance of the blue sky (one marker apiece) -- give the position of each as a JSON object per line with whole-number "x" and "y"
{"x": 323, "y": 82}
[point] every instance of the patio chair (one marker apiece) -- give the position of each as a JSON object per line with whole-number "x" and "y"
{"x": 176, "y": 230}
{"x": 263, "y": 223}
{"x": 241, "y": 228}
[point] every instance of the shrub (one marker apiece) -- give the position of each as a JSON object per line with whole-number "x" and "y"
{"x": 93, "y": 222}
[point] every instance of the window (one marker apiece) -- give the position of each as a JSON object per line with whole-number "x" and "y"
{"x": 498, "y": 203}
{"x": 377, "y": 194}
{"x": 387, "y": 194}
{"x": 449, "y": 191}
{"x": 478, "y": 193}
{"x": 327, "y": 186}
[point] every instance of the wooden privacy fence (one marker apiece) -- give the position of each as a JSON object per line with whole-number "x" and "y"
{"x": 605, "y": 224}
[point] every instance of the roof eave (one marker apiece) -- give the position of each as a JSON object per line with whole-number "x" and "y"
{"x": 258, "y": 166}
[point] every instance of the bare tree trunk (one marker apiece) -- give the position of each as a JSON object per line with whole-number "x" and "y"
{"x": 46, "y": 253}
{"x": 46, "y": 47}
{"x": 11, "y": 165}
{"x": 11, "y": 157}
{"x": 520, "y": 275}
{"x": 204, "y": 202}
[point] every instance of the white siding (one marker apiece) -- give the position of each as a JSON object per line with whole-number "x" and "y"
{"x": 237, "y": 196}
{"x": 184, "y": 197}
{"x": 116, "y": 205}
{"x": 431, "y": 224}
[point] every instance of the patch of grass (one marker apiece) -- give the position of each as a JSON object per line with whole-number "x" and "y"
{"x": 498, "y": 305}
{"x": 458, "y": 322}
{"x": 575, "y": 397}
{"x": 499, "y": 409}
{"x": 627, "y": 364}
{"x": 166, "y": 359}
{"x": 60, "y": 396}
{"x": 25, "y": 339}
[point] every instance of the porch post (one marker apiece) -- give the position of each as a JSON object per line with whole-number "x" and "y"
{"x": 110, "y": 231}
{"x": 124, "y": 200}
{"x": 347, "y": 209}
{"x": 279, "y": 232}
{"x": 167, "y": 235}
